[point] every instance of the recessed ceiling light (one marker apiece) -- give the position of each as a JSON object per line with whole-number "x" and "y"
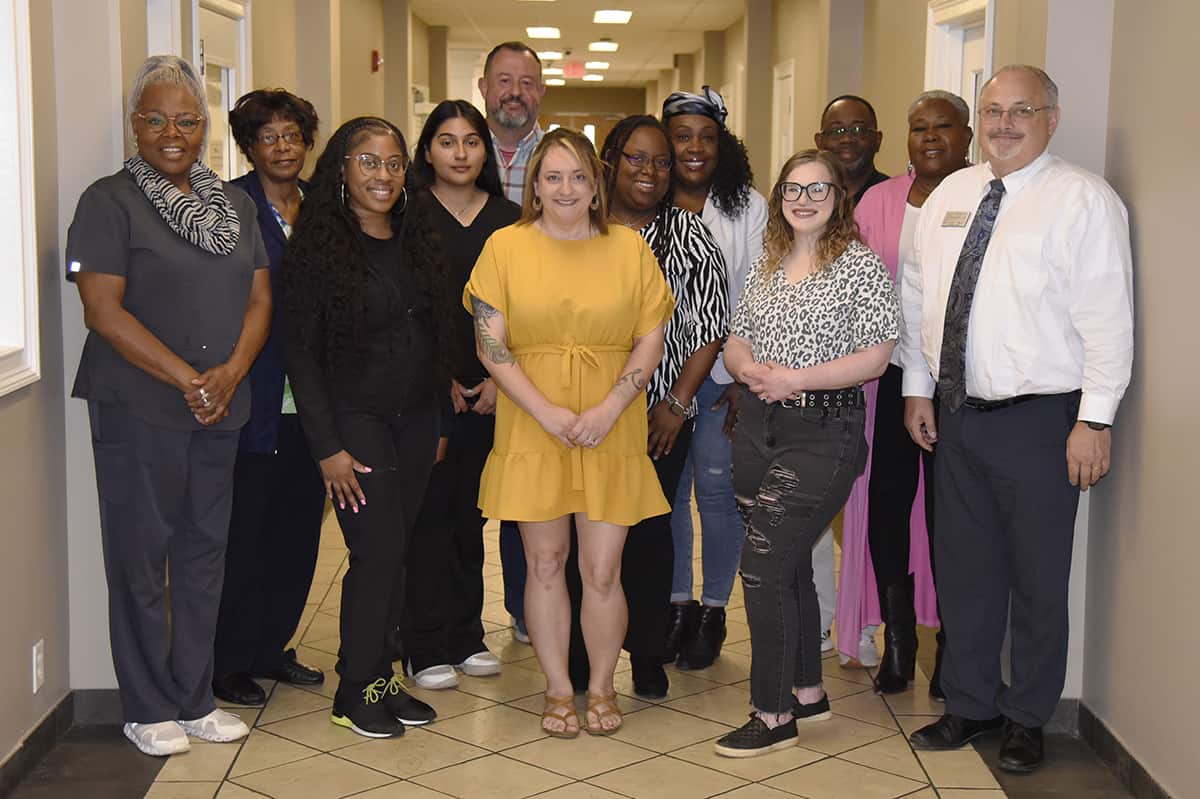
{"x": 611, "y": 17}
{"x": 596, "y": 65}
{"x": 556, "y": 82}
{"x": 542, "y": 33}
{"x": 604, "y": 46}
{"x": 552, "y": 71}
{"x": 550, "y": 55}
{"x": 590, "y": 78}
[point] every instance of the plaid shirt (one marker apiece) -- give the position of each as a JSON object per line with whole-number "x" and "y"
{"x": 512, "y": 177}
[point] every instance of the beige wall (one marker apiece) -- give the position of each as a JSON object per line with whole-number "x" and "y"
{"x": 361, "y": 89}
{"x": 420, "y": 52}
{"x": 734, "y": 62}
{"x": 801, "y": 35}
{"x": 1142, "y": 583}
{"x": 274, "y": 44}
{"x": 893, "y": 72}
{"x": 577, "y": 100}
{"x": 1020, "y": 36}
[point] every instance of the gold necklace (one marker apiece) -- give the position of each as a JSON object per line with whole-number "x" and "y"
{"x": 457, "y": 214}
{"x": 634, "y": 224}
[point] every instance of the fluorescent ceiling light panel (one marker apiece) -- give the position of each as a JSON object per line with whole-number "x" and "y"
{"x": 612, "y": 16}
{"x": 552, "y": 71}
{"x": 542, "y": 33}
{"x": 550, "y": 55}
{"x": 604, "y": 46}
{"x": 590, "y": 78}
{"x": 556, "y": 82}
{"x": 596, "y": 65}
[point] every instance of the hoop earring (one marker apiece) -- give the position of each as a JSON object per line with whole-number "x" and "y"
{"x": 403, "y": 202}
{"x": 595, "y": 203}
{"x": 344, "y": 193}
{"x": 536, "y": 203}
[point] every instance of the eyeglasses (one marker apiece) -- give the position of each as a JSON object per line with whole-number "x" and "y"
{"x": 637, "y": 161}
{"x": 854, "y": 132}
{"x": 817, "y": 192}
{"x": 157, "y": 121}
{"x": 369, "y": 164}
{"x": 269, "y": 138}
{"x": 994, "y": 113}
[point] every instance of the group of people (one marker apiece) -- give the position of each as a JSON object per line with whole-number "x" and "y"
{"x": 512, "y": 324}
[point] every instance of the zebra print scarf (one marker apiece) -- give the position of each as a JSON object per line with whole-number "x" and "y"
{"x": 205, "y": 217}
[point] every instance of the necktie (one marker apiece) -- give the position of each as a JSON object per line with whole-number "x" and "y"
{"x": 952, "y": 378}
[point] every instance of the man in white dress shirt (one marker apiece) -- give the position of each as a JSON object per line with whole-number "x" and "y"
{"x": 1018, "y": 309}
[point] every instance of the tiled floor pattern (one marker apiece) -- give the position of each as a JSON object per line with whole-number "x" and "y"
{"x": 487, "y": 742}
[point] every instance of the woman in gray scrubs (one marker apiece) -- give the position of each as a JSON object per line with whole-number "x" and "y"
{"x": 173, "y": 277}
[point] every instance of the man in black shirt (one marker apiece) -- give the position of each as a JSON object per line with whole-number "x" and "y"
{"x": 851, "y": 132}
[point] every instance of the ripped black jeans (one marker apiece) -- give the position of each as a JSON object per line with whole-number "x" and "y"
{"x": 792, "y": 472}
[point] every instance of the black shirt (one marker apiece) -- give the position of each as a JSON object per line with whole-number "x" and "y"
{"x": 876, "y": 177}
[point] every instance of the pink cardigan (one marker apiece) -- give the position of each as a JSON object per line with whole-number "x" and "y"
{"x": 880, "y": 215}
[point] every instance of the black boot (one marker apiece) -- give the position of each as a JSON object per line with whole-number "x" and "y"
{"x": 705, "y": 646}
{"x": 899, "y": 638}
{"x": 684, "y": 618}
{"x": 935, "y": 682}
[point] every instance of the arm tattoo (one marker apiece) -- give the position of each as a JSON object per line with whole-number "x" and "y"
{"x": 631, "y": 379}
{"x": 495, "y": 350}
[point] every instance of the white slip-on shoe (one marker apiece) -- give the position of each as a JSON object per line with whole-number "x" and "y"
{"x": 868, "y": 653}
{"x": 481, "y": 664}
{"x": 435, "y": 678}
{"x": 218, "y": 727}
{"x": 519, "y": 630}
{"x": 160, "y": 739}
{"x": 826, "y": 641}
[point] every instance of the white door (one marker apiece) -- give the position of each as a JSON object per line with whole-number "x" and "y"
{"x": 223, "y": 59}
{"x": 974, "y": 55}
{"x": 783, "y": 115}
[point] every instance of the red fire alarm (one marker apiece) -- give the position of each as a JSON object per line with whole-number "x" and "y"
{"x": 376, "y": 60}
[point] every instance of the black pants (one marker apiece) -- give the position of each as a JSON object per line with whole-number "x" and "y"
{"x": 165, "y": 497}
{"x": 400, "y": 450}
{"x": 445, "y": 559}
{"x": 274, "y": 537}
{"x": 1006, "y": 523}
{"x": 647, "y": 565}
{"x": 895, "y": 467}
{"x": 792, "y": 472}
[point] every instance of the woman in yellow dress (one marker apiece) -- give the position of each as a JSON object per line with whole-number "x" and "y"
{"x": 569, "y": 320}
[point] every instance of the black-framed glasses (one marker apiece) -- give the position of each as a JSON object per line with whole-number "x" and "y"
{"x": 270, "y": 137}
{"x": 817, "y": 192}
{"x": 853, "y": 131}
{"x": 157, "y": 121}
{"x": 637, "y": 161}
{"x": 994, "y": 113}
{"x": 369, "y": 164}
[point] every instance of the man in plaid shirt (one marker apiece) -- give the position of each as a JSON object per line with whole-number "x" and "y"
{"x": 512, "y": 90}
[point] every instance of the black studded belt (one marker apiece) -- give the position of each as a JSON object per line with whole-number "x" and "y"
{"x": 839, "y": 398}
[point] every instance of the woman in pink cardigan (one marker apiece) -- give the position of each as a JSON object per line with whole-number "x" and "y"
{"x": 884, "y": 537}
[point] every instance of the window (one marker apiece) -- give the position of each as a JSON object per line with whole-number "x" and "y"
{"x": 19, "y": 361}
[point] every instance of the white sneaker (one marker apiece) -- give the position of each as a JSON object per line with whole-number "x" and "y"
{"x": 481, "y": 664}
{"x": 435, "y": 678}
{"x": 868, "y": 653}
{"x": 160, "y": 739}
{"x": 219, "y": 727}
{"x": 518, "y": 628}
{"x": 826, "y": 641}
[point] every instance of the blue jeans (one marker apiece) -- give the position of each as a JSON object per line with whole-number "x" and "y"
{"x": 709, "y": 466}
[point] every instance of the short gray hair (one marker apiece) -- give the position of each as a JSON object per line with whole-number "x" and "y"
{"x": 166, "y": 69}
{"x": 1048, "y": 84}
{"x": 960, "y": 105}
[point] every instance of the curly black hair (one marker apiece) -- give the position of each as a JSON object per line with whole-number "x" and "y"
{"x": 733, "y": 177}
{"x": 610, "y": 154}
{"x": 325, "y": 267}
{"x": 259, "y": 107}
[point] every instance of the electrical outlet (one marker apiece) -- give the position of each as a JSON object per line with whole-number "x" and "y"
{"x": 39, "y": 665}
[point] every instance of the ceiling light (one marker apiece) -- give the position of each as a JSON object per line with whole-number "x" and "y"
{"x": 596, "y": 65}
{"x": 590, "y": 78}
{"x": 612, "y": 17}
{"x": 550, "y": 55}
{"x": 556, "y": 82}
{"x": 604, "y": 46}
{"x": 542, "y": 33}
{"x": 552, "y": 71}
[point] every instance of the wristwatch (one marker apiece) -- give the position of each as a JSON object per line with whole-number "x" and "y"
{"x": 677, "y": 407}
{"x": 1097, "y": 426}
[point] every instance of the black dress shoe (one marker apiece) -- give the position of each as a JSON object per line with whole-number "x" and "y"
{"x": 293, "y": 672}
{"x": 649, "y": 677}
{"x": 952, "y": 732}
{"x": 238, "y": 689}
{"x": 705, "y": 645}
{"x": 684, "y": 618}
{"x": 1022, "y": 749}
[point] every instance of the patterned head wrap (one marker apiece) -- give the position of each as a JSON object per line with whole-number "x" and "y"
{"x": 708, "y": 104}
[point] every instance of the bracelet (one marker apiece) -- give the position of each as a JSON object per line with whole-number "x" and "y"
{"x": 678, "y": 408}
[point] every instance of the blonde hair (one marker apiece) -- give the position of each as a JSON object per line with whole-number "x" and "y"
{"x": 581, "y": 149}
{"x": 840, "y": 231}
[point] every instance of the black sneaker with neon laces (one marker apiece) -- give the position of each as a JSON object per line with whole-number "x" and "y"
{"x": 405, "y": 707}
{"x": 363, "y": 711}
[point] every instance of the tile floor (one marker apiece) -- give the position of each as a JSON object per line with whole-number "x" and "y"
{"x": 487, "y": 741}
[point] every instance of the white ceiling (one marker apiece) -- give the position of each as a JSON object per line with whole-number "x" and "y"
{"x": 658, "y": 30}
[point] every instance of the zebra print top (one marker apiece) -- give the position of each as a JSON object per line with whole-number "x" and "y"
{"x": 695, "y": 271}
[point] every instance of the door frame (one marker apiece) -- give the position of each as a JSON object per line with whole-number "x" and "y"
{"x": 783, "y": 73}
{"x": 946, "y": 22}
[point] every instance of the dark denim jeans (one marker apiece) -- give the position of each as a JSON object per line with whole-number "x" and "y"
{"x": 792, "y": 472}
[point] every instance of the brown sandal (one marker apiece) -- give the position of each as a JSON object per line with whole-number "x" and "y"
{"x": 596, "y": 704}
{"x": 560, "y": 708}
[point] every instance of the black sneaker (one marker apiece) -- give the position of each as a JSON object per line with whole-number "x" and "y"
{"x": 755, "y": 738}
{"x": 814, "y": 711}
{"x": 366, "y": 713}
{"x": 407, "y": 709}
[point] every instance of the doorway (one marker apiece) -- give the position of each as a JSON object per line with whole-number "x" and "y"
{"x": 783, "y": 114}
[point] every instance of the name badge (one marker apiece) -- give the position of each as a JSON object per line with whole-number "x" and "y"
{"x": 956, "y": 218}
